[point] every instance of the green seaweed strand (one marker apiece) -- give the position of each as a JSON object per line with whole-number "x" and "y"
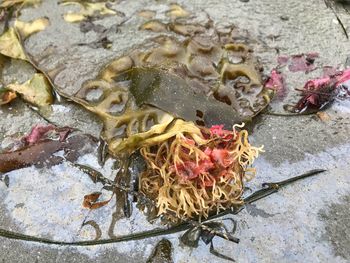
{"x": 268, "y": 189}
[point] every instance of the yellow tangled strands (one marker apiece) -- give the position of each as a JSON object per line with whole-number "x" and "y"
{"x": 213, "y": 186}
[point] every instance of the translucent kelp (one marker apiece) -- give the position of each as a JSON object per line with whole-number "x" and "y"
{"x": 37, "y": 90}
{"x": 206, "y": 77}
{"x": 88, "y": 9}
{"x": 20, "y": 3}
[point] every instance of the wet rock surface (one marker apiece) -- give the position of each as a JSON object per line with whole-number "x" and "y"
{"x": 305, "y": 222}
{"x": 337, "y": 226}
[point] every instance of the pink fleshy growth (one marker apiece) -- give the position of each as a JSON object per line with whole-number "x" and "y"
{"x": 40, "y": 132}
{"x": 303, "y": 62}
{"x": 315, "y": 84}
{"x": 343, "y": 77}
{"x": 282, "y": 60}
{"x": 338, "y": 78}
{"x": 219, "y": 156}
{"x": 219, "y": 130}
{"x": 215, "y": 162}
{"x": 319, "y": 92}
{"x": 329, "y": 71}
{"x": 37, "y": 133}
{"x": 222, "y": 157}
{"x": 276, "y": 82}
{"x": 190, "y": 170}
{"x": 208, "y": 151}
{"x": 312, "y": 56}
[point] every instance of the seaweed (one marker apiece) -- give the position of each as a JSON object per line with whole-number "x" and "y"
{"x": 192, "y": 236}
{"x": 161, "y": 253}
{"x": 6, "y": 96}
{"x": 38, "y": 149}
{"x": 147, "y": 100}
{"x": 88, "y": 9}
{"x": 206, "y": 78}
{"x": 318, "y": 93}
{"x": 26, "y": 29}
{"x": 7, "y": 4}
{"x": 91, "y": 201}
{"x": 172, "y": 94}
{"x": 37, "y": 90}
{"x": 193, "y": 171}
{"x": 11, "y": 46}
{"x": 268, "y": 189}
{"x": 276, "y": 82}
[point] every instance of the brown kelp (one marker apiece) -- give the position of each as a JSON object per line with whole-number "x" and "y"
{"x": 165, "y": 79}
{"x": 206, "y": 78}
{"x": 162, "y": 252}
{"x": 38, "y": 148}
{"x": 37, "y": 90}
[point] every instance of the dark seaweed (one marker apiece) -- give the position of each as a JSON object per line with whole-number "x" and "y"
{"x": 162, "y": 253}
{"x": 268, "y": 189}
{"x": 172, "y": 94}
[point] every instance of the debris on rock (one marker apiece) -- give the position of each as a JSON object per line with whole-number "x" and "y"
{"x": 39, "y": 149}
{"x": 88, "y": 9}
{"x": 26, "y": 29}
{"x": 323, "y": 116}
{"x": 6, "y": 96}
{"x": 276, "y": 82}
{"x": 11, "y": 46}
{"x": 36, "y": 91}
{"x": 303, "y": 62}
{"x": 318, "y": 93}
{"x": 41, "y": 132}
{"x": 90, "y": 201}
{"x": 300, "y": 62}
{"x": 20, "y": 3}
{"x": 162, "y": 253}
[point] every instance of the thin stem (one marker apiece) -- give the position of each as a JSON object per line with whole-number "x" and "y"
{"x": 159, "y": 231}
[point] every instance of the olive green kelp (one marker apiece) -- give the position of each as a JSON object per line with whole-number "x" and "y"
{"x": 205, "y": 77}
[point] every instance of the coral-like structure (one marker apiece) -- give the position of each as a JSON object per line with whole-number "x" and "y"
{"x": 194, "y": 171}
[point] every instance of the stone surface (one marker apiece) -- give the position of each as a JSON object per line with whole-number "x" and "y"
{"x": 305, "y": 222}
